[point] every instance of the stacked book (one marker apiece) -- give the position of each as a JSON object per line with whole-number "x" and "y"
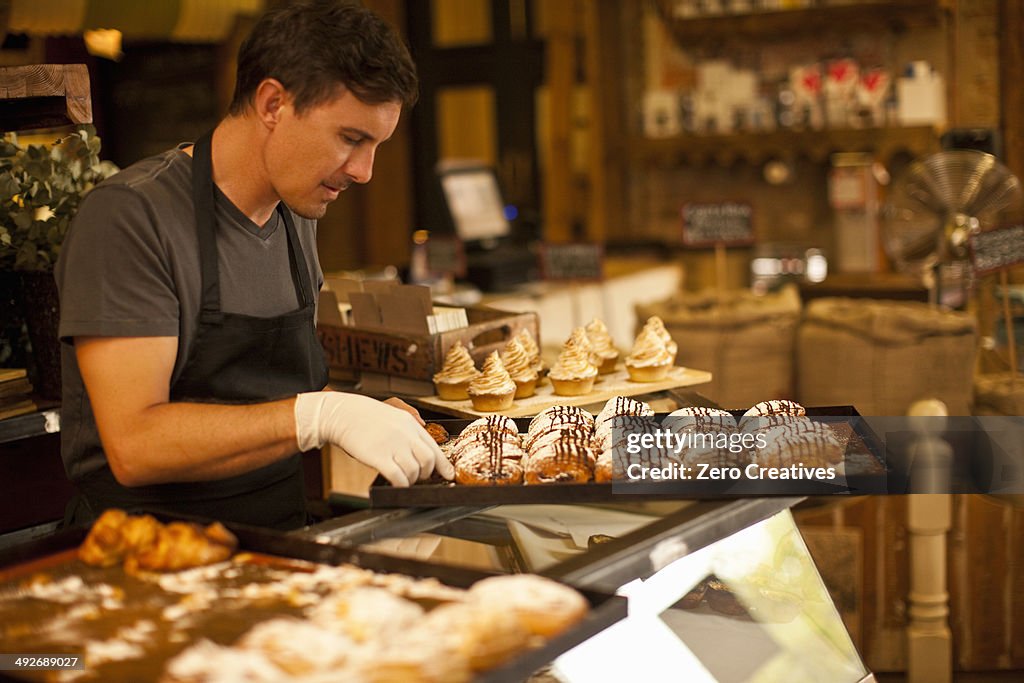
{"x": 15, "y": 391}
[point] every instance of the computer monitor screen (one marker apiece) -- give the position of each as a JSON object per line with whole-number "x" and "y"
{"x": 474, "y": 202}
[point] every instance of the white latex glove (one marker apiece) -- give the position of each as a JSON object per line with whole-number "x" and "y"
{"x": 386, "y": 438}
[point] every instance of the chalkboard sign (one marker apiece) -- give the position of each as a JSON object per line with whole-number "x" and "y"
{"x": 997, "y": 249}
{"x": 575, "y": 261}
{"x": 722, "y": 224}
{"x": 446, "y": 256}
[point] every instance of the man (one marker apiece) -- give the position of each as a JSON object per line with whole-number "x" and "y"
{"x": 192, "y": 372}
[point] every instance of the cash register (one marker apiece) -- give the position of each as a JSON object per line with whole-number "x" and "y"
{"x": 496, "y": 259}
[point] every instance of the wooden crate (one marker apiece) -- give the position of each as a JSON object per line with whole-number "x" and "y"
{"x": 406, "y": 362}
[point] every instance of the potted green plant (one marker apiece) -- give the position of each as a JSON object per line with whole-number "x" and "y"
{"x": 40, "y": 190}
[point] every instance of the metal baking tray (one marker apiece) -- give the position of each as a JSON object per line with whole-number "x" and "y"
{"x": 56, "y": 555}
{"x": 864, "y": 445}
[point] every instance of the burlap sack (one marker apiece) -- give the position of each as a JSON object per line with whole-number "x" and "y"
{"x": 881, "y": 356}
{"x": 745, "y": 340}
{"x": 999, "y": 394}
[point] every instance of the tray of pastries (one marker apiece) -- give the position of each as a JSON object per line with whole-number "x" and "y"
{"x": 589, "y": 369}
{"x": 567, "y": 455}
{"x": 139, "y": 599}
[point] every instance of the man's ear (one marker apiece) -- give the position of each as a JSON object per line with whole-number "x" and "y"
{"x": 270, "y": 100}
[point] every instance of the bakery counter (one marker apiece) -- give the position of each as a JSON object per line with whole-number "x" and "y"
{"x": 719, "y": 590}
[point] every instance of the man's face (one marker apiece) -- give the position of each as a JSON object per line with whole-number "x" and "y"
{"x": 313, "y": 157}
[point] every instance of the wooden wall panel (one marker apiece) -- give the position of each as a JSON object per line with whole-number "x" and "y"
{"x": 986, "y": 573}
{"x": 985, "y": 569}
{"x": 884, "y": 581}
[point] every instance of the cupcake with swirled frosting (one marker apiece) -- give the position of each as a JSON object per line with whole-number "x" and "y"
{"x": 530, "y": 346}
{"x": 604, "y": 354}
{"x": 517, "y": 362}
{"x": 657, "y": 326}
{"x": 493, "y": 389}
{"x": 573, "y": 374}
{"x": 452, "y": 382}
{"x": 649, "y": 359}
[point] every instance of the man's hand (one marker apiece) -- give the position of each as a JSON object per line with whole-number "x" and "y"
{"x": 388, "y": 438}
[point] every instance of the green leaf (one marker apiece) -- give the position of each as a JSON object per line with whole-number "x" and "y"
{"x": 22, "y": 219}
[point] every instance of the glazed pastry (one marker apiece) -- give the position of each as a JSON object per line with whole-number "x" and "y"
{"x": 466, "y": 444}
{"x": 556, "y": 421}
{"x": 143, "y": 543}
{"x": 181, "y": 545}
{"x": 603, "y": 353}
{"x": 649, "y": 359}
{"x": 530, "y": 346}
{"x": 517, "y": 362}
{"x": 494, "y": 389}
{"x": 544, "y": 607}
{"x": 437, "y": 432}
{"x": 754, "y": 417}
{"x": 564, "y": 460}
{"x": 704, "y": 419}
{"x": 610, "y": 465}
{"x": 490, "y": 460}
{"x": 452, "y": 382}
{"x": 557, "y": 415}
{"x": 802, "y": 442}
{"x": 573, "y": 374}
{"x": 106, "y": 545}
{"x": 614, "y": 407}
{"x": 624, "y": 447}
{"x": 490, "y": 423}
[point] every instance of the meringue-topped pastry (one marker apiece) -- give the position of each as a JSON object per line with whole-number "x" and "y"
{"x": 649, "y": 359}
{"x": 519, "y": 367}
{"x": 530, "y": 346}
{"x": 604, "y": 354}
{"x": 493, "y": 389}
{"x": 573, "y": 374}
{"x": 655, "y": 324}
{"x": 457, "y": 372}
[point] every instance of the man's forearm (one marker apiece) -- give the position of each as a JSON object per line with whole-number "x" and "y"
{"x": 173, "y": 442}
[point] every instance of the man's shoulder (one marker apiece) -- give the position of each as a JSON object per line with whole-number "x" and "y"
{"x": 170, "y": 169}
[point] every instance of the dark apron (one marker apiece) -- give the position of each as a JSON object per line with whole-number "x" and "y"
{"x": 235, "y": 359}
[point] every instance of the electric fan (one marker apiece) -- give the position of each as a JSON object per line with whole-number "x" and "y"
{"x": 936, "y": 205}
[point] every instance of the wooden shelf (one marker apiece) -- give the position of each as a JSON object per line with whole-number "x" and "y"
{"x": 44, "y": 96}
{"x": 757, "y": 148}
{"x": 868, "y": 15}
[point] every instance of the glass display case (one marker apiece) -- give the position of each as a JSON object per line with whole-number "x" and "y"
{"x": 720, "y": 590}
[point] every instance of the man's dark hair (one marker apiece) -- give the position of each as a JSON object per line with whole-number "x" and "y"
{"x": 313, "y": 46}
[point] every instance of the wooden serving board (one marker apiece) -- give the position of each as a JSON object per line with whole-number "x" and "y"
{"x": 606, "y": 387}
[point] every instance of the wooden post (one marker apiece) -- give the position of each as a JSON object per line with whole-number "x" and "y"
{"x": 1004, "y": 282}
{"x": 929, "y": 640}
{"x": 561, "y": 80}
{"x": 721, "y": 271}
{"x": 929, "y": 518}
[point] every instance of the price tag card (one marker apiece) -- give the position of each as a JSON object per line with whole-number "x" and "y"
{"x": 575, "y": 261}
{"x": 994, "y": 250}
{"x": 724, "y": 223}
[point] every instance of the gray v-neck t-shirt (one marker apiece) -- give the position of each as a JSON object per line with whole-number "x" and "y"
{"x": 130, "y": 268}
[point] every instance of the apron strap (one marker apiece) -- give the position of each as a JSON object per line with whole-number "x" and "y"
{"x": 203, "y": 197}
